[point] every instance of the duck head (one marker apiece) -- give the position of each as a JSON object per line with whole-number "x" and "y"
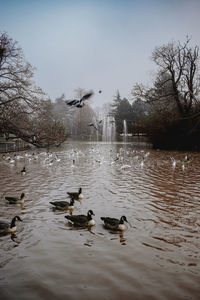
{"x": 22, "y": 195}
{"x": 122, "y": 220}
{"x": 90, "y": 214}
{"x": 16, "y": 218}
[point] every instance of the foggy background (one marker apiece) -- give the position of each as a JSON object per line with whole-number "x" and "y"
{"x": 98, "y": 45}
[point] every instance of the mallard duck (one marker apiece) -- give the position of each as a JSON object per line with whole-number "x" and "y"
{"x": 82, "y": 220}
{"x": 114, "y": 224}
{"x": 76, "y": 195}
{"x": 62, "y": 205}
{"x": 9, "y": 228}
{"x": 14, "y": 200}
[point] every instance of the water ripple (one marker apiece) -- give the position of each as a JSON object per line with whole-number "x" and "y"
{"x": 160, "y": 202}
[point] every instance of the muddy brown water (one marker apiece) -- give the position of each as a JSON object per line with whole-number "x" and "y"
{"x": 157, "y": 257}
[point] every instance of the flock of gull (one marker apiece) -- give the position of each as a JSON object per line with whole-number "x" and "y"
{"x": 81, "y": 220}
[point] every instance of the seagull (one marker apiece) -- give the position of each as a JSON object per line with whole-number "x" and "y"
{"x": 173, "y": 162}
{"x": 79, "y": 103}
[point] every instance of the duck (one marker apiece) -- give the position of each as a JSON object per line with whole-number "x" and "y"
{"x": 186, "y": 159}
{"x": 14, "y": 200}
{"x": 73, "y": 164}
{"x": 76, "y": 195}
{"x": 9, "y": 228}
{"x": 114, "y": 224}
{"x": 23, "y": 171}
{"x": 82, "y": 220}
{"x": 62, "y": 205}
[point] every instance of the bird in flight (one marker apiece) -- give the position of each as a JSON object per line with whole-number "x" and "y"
{"x": 95, "y": 125}
{"x": 91, "y": 124}
{"x": 79, "y": 103}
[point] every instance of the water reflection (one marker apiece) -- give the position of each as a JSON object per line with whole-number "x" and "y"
{"x": 119, "y": 236}
{"x": 160, "y": 248}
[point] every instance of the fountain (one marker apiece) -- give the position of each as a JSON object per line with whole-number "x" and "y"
{"x": 109, "y": 129}
{"x": 125, "y": 133}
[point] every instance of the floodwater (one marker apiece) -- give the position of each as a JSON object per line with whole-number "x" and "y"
{"x": 157, "y": 257}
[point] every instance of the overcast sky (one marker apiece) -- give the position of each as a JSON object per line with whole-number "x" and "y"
{"x": 96, "y": 44}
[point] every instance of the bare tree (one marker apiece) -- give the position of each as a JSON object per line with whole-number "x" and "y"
{"x": 18, "y": 94}
{"x": 177, "y": 80}
{"x": 24, "y": 110}
{"x": 174, "y": 99}
{"x": 179, "y": 63}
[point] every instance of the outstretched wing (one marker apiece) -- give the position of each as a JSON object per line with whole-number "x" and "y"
{"x": 92, "y": 125}
{"x": 87, "y": 96}
{"x": 72, "y": 102}
{"x": 79, "y": 103}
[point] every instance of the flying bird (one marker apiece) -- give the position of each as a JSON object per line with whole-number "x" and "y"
{"x": 92, "y": 125}
{"x": 79, "y": 103}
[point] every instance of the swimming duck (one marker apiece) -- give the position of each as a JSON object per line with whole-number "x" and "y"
{"x": 114, "y": 224}
{"x": 23, "y": 171}
{"x": 82, "y": 220}
{"x": 14, "y": 200}
{"x": 76, "y": 195}
{"x": 73, "y": 164}
{"x": 62, "y": 205}
{"x": 9, "y": 228}
{"x": 186, "y": 159}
